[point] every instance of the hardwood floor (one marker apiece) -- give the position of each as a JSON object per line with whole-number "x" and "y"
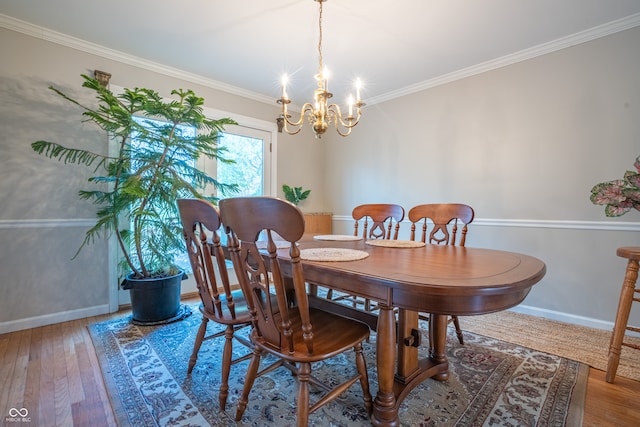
{"x": 53, "y": 372}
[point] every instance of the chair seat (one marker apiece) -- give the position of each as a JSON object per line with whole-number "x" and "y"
{"x": 242, "y": 314}
{"x": 332, "y": 335}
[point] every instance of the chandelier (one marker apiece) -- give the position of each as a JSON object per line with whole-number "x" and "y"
{"x": 320, "y": 113}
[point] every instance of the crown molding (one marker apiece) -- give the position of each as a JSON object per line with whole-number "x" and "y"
{"x": 32, "y": 30}
{"x": 612, "y": 27}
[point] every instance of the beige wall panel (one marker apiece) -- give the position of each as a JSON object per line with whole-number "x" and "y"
{"x": 525, "y": 142}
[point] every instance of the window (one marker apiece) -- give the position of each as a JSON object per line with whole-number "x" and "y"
{"x": 250, "y": 148}
{"x": 181, "y": 258}
{"x": 261, "y": 135}
{"x": 248, "y": 170}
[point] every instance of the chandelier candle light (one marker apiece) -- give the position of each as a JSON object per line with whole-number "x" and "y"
{"x": 320, "y": 114}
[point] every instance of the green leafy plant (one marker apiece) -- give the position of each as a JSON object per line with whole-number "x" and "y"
{"x": 136, "y": 188}
{"x": 621, "y": 195}
{"x": 295, "y": 194}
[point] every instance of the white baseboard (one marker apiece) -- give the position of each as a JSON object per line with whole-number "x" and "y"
{"x": 49, "y": 319}
{"x": 570, "y": 318}
{"x": 564, "y": 317}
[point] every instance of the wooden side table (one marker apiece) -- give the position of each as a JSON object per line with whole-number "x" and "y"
{"x": 318, "y": 223}
{"x": 627, "y": 296}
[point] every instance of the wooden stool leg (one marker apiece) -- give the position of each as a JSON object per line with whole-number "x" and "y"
{"x": 622, "y": 317}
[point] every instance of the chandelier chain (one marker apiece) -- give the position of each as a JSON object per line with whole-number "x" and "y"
{"x": 320, "y": 37}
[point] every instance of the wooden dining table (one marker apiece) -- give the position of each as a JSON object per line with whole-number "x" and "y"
{"x": 441, "y": 280}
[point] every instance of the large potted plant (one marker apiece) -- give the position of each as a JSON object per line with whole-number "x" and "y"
{"x": 620, "y": 195}
{"x": 156, "y": 143}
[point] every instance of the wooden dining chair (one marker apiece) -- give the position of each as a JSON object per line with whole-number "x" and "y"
{"x": 379, "y": 221}
{"x": 287, "y": 328}
{"x": 440, "y": 226}
{"x": 219, "y": 303}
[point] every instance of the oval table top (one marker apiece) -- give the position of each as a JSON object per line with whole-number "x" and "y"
{"x": 432, "y": 278}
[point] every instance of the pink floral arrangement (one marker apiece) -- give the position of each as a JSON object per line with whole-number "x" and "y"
{"x": 621, "y": 195}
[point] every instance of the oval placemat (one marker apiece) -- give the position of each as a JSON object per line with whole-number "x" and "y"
{"x": 342, "y": 237}
{"x": 280, "y": 244}
{"x": 332, "y": 254}
{"x": 395, "y": 243}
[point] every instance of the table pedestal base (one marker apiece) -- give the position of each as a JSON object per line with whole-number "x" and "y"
{"x": 393, "y": 388}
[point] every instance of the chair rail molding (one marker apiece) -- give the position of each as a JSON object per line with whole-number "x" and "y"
{"x": 539, "y": 223}
{"x": 45, "y": 223}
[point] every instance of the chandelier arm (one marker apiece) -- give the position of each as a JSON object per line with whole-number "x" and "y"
{"x": 343, "y": 133}
{"x": 306, "y": 108}
{"x": 291, "y": 132}
{"x": 335, "y": 115}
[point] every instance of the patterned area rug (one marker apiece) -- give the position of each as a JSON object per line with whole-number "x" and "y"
{"x": 586, "y": 345}
{"x": 492, "y": 383}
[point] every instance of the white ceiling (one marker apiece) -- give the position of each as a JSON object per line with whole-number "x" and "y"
{"x": 393, "y": 46}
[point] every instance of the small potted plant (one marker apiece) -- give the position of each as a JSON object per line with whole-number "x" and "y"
{"x": 620, "y": 195}
{"x": 295, "y": 194}
{"x": 135, "y": 189}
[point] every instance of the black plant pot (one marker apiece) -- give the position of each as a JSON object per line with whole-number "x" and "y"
{"x": 155, "y": 299}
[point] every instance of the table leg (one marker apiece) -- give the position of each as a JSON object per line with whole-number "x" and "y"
{"x": 385, "y": 412}
{"x": 408, "y": 342}
{"x": 438, "y": 341}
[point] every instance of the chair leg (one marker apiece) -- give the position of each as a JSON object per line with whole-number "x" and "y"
{"x": 456, "y": 323}
{"x": 252, "y": 371}
{"x": 196, "y": 345}
{"x": 431, "y": 335}
{"x": 227, "y": 352}
{"x": 304, "y": 372}
{"x": 361, "y": 364}
{"x": 622, "y": 318}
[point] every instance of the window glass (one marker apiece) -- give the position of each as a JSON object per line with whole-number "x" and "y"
{"x": 248, "y": 169}
{"x": 182, "y": 260}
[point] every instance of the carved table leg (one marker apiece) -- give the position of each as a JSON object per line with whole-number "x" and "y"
{"x": 385, "y": 412}
{"x": 437, "y": 346}
{"x": 408, "y": 342}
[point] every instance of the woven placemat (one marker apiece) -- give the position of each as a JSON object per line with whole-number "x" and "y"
{"x": 332, "y": 254}
{"x": 342, "y": 237}
{"x": 280, "y": 244}
{"x": 395, "y": 243}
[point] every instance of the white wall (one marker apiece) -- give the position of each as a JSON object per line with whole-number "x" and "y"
{"x": 42, "y": 222}
{"x": 523, "y": 145}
